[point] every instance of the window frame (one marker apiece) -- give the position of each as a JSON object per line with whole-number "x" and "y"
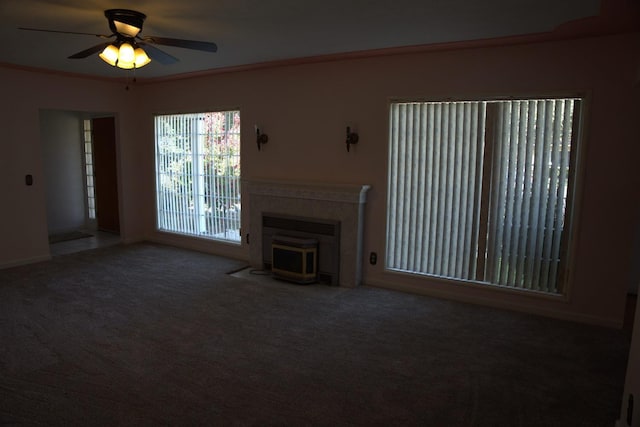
{"x": 574, "y": 195}
{"x": 234, "y": 243}
{"x": 88, "y": 171}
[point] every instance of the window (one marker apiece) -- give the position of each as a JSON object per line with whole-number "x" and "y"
{"x": 198, "y": 174}
{"x": 480, "y": 190}
{"x": 88, "y": 164}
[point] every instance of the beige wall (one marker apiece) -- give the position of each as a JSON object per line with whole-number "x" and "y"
{"x": 23, "y": 220}
{"x": 305, "y": 108}
{"x": 63, "y": 170}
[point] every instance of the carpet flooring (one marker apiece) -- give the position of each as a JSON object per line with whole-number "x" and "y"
{"x": 146, "y": 334}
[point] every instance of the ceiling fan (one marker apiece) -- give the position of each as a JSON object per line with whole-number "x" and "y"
{"x": 130, "y": 49}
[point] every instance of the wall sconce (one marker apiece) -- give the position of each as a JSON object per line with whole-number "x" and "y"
{"x": 261, "y": 138}
{"x": 352, "y": 138}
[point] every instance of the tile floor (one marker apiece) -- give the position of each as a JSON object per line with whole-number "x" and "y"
{"x": 98, "y": 240}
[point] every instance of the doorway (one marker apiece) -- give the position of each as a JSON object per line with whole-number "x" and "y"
{"x": 75, "y": 222}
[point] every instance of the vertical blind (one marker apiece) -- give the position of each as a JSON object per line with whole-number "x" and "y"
{"x": 478, "y": 190}
{"x": 436, "y": 156}
{"x": 198, "y": 174}
{"x": 530, "y": 187}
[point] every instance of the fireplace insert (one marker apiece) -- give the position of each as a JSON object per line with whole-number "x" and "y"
{"x": 325, "y": 232}
{"x": 294, "y": 259}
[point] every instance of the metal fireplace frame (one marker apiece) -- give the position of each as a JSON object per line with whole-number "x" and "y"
{"x": 326, "y": 232}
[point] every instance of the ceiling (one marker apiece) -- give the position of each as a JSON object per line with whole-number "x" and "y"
{"x": 258, "y": 31}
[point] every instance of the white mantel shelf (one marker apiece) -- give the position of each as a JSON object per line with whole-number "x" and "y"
{"x": 340, "y": 202}
{"x": 346, "y": 193}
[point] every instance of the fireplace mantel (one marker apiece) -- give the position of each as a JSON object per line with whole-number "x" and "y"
{"x": 340, "y": 202}
{"x": 344, "y": 193}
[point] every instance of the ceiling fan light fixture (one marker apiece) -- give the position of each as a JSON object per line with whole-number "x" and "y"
{"x": 141, "y": 58}
{"x": 125, "y": 22}
{"x": 123, "y": 51}
{"x": 126, "y": 65}
{"x": 126, "y": 29}
{"x": 126, "y": 53}
{"x": 125, "y": 56}
{"x": 110, "y": 55}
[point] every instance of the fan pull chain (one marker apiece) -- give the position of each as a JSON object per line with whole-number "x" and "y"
{"x": 134, "y": 80}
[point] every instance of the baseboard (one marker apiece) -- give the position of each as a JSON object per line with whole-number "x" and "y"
{"x": 531, "y": 307}
{"x": 220, "y": 248}
{"x": 25, "y": 261}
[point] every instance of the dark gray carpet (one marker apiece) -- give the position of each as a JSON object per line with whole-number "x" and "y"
{"x": 152, "y": 335}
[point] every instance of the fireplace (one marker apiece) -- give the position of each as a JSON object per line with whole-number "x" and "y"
{"x": 333, "y": 214}
{"x": 294, "y": 259}
{"x": 276, "y": 227}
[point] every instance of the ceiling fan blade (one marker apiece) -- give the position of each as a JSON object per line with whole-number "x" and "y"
{"x": 87, "y": 52}
{"x": 158, "y": 55}
{"x": 102, "y": 36}
{"x": 186, "y": 44}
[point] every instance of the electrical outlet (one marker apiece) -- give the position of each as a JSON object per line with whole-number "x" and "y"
{"x": 373, "y": 258}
